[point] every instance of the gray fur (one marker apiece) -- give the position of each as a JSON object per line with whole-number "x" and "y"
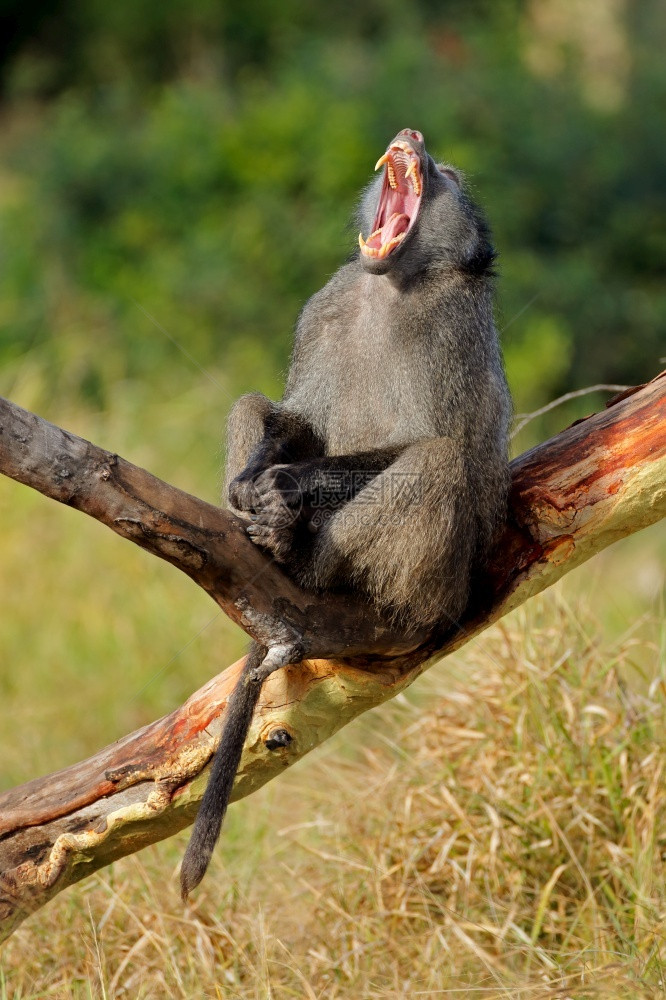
{"x": 396, "y": 370}
{"x": 396, "y": 380}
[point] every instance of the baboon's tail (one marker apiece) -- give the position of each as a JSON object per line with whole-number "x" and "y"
{"x": 223, "y": 772}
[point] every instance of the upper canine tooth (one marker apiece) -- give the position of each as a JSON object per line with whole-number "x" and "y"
{"x": 413, "y": 173}
{"x": 382, "y": 160}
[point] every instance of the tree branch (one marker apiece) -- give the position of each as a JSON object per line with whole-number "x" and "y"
{"x": 205, "y": 542}
{"x": 601, "y": 479}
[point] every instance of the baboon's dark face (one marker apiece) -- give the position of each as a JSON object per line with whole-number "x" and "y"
{"x": 415, "y": 213}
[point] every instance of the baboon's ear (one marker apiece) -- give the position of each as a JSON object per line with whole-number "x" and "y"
{"x": 452, "y": 174}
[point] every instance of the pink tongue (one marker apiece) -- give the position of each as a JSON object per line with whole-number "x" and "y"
{"x": 398, "y": 223}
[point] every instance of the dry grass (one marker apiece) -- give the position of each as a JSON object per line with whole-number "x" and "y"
{"x": 500, "y": 834}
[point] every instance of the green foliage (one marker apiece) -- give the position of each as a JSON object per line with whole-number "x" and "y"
{"x": 199, "y": 163}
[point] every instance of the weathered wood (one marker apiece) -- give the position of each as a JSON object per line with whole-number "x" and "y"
{"x": 206, "y": 542}
{"x": 594, "y": 483}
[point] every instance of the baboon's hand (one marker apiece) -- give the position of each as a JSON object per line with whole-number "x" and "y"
{"x": 257, "y": 489}
{"x": 277, "y": 539}
{"x": 242, "y": 493}
{"x": 278, "y": 486}
{"x": 273, "y": 498}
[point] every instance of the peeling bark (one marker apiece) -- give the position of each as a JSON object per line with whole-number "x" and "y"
{"x": 601, "y": 479}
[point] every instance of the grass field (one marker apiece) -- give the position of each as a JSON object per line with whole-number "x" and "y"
{"x": 499, "y": 831}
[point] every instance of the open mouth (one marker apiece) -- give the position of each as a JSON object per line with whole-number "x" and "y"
{"x": 398, "y": 203}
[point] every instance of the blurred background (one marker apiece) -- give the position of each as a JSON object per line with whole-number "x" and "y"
{"x": 176, "y": 178}
{"x": 200, "y": 161}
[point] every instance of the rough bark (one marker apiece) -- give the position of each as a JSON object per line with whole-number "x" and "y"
{"x": 572, "y": 496}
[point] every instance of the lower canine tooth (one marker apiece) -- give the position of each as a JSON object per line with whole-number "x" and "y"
{"x": 387, "y": 247}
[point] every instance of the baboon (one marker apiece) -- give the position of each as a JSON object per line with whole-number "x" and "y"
{"x": 384, "y": 467}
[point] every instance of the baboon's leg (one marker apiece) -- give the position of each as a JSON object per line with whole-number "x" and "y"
{"x": 419, "y": 510}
